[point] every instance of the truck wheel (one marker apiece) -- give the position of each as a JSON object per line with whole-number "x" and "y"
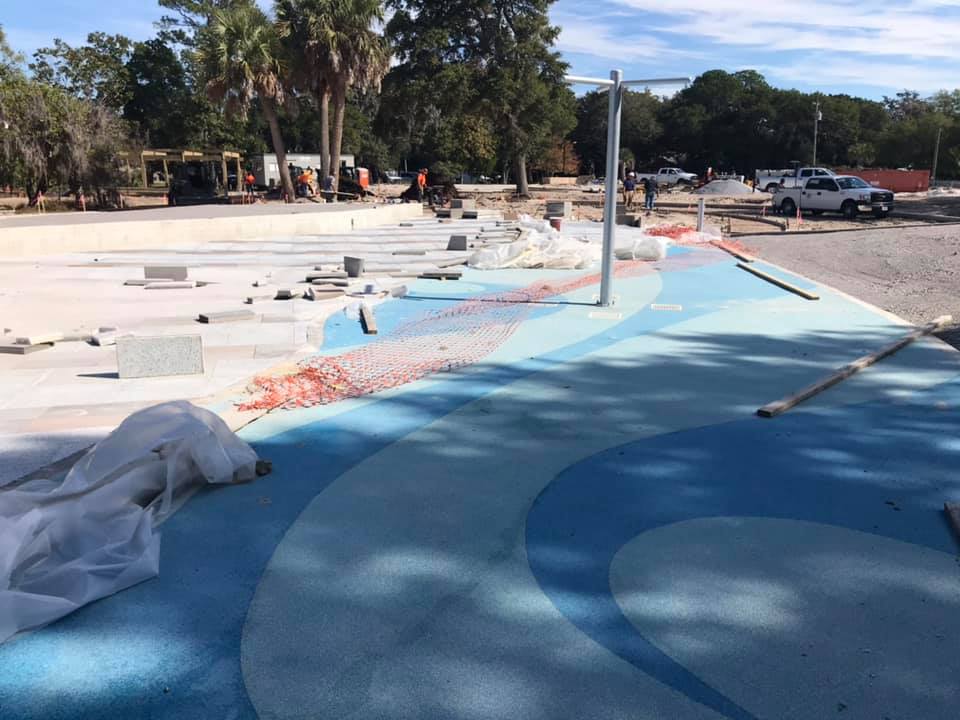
{"x": 788, "y": 207}
{"x": 880, "y": 214}
{"x": 772, "y": 188}
{"x": 849, "y": 209}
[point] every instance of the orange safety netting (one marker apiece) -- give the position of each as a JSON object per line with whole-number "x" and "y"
{"x": 440, "y": 341}
{"x": 674, "y": 232}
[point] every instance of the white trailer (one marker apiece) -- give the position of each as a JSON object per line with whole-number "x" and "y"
{"x": 267, "y": 172}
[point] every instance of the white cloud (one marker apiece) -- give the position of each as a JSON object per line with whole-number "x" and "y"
{"x": 912, "y": 29}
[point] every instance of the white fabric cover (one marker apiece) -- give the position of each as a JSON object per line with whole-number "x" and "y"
{"x": 66, "y": 544}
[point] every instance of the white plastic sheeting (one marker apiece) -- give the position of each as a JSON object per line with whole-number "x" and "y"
{"x": 539, "y": 246}
{"x": 641, "y": 247}
{"x": 66, "y": 544}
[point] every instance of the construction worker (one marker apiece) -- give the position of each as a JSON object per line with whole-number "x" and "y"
{"x": 650, "y": 193}
{"x": 328, "y": 193}
{"x": 421, "y": 184}
{"x": 629, "y": 190}
{"x": 248, "y": 183}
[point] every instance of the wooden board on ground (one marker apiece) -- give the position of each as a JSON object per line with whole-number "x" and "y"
{"x": 739, "y": 255}
{"x": 779, "y": 282}
{"x": 781, "y": 406}
{"x": 367, "y": 320}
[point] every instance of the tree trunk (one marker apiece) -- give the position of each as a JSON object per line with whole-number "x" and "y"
{"x": 523, "y": 189}
{"x": 325, "y": 134}
{"x": 339, "y": 109}
{"x": 270, "y": 113}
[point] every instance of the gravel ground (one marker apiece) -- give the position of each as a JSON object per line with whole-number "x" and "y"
{"x": 913, "y": 273}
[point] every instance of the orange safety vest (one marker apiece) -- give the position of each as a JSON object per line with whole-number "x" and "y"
{"x": 422, "y": 180}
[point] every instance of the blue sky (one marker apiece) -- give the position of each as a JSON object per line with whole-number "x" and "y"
{"x": 853, "y": 46}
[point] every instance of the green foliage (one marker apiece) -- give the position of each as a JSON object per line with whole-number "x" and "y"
{"x": 862, "y": 154}
{"x": 160, "y": 102}
{"x": 459, "y": 59}
{"x": 95, "y": 71}
{"x": 640, "y": 128}
{"x": 52, "y": 138}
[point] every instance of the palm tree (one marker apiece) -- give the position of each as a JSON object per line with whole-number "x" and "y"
{"x": 242, "y": 58}
{"x": 337, "y": 49}
{"x": 306, "y": 30}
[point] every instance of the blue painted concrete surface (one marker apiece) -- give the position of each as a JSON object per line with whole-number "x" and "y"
{"x": 282, "y": 598}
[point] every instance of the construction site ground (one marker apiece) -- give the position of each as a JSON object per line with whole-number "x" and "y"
{"x": 912, "y": 272}
{"x": 548, "y": 510}
{"x": 679, "y": 206}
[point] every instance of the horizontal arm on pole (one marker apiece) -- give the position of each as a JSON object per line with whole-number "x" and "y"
{"x": 660, "y": 81}
{"x": 580, "y": 80}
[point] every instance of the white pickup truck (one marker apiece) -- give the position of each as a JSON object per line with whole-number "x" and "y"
{"x": 670, "y": 176}
{"x": 770, "y": 180}
{"x": 837, "y": 193}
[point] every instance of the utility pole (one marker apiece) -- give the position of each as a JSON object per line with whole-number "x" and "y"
{"x": 817, "y": 117}
{"x": 936, "y": 157}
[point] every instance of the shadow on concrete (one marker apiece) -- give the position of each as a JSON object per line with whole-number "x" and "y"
{"x": 410, "y": 594}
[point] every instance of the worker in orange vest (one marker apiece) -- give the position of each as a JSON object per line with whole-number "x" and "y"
{"x": 421, "y": 184}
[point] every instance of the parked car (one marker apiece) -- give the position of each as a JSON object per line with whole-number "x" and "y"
{"x": 838, "y": 193}
{"x": 670, "y": 176}
{"x": 770, "y": 180}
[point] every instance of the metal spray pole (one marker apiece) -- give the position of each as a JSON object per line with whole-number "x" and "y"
{"x": 610, "y": 205}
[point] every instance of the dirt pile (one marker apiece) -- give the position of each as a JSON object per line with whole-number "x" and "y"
{"x": 727, "y": 187}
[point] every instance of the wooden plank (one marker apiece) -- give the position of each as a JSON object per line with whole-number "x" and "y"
{"x": 733, "y": 251}
{"x": 781, "y": 406}
{"x": 778, "y": 282}
{"x": 953, "y": 515}
{"x": 367, "y": 320}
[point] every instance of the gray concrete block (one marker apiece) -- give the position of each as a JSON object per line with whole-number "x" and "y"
{"x": 226, "y": 316}
{"x": 325, "y": 292}
{"x": 105, "y": 338}
{"x": 23, "y": 349}
{"x": 409, "y": 252}
{"x": 331, "y": 281}
{"x": 40, "y": 339}
{"x": 463, "y": 204}
{"x": 338, "y": 275}
{"x": 176, "y": 285}
{"x": 399, "y": 291}
{"x": 353, "y": 266}
{"x": 287, "y": 294}
{"x": 471, "y": 215}
{"x": 457, "y": 242}
{"x": 560, "y": 209}
{"x": 320, "y": 272}
{"x": 141, "y": 282}
{"x": 165, "y": 272}
{"x": 159, "y": 356}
